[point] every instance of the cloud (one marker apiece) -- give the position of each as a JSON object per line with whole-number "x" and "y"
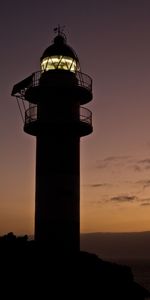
{"x": 145, "y": 200}
{"x": 102, "y": 165}
{"x": 126, "y": 161}
{"x": 145, "y": 183}
{"x": 116, "y": 158}
{"x": 145, "y": 204}
{"x": 127, "y": 198}
{"x": 139, "y": 165}
{"x": 147, "y": 167}
{"x": 144, "y": 161}
{"x": 112, "y": 160}
{"x": 136, "y": 168}
{"x": 98, "y": 185}
{"x": 123, "y": 198}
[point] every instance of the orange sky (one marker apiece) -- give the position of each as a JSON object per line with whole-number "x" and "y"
{"x": 113, "y": 45}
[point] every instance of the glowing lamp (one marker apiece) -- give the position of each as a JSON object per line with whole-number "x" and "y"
{"x": 59, "y": 62}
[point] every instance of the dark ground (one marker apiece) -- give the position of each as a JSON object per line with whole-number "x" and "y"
{"x": 30, "y": 269}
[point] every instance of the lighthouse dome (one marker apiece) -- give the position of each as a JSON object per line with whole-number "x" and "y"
{"x": 60, "y": 56}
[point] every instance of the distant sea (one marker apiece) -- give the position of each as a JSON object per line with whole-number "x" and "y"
{"x": 140, "y": 269}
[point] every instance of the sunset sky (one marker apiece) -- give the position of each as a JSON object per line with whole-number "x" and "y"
{"x": 112, "y": 40}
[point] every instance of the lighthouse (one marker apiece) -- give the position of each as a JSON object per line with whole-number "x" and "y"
{"x": 53, "y": 99}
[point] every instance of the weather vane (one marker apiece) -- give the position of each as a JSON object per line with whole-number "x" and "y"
{"x": 59, "y": 30}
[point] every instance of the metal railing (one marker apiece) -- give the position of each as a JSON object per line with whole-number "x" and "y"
{"x": 83, "y": 80}
{"x": 85, "y": 115}
{"x": 31, "y": 115}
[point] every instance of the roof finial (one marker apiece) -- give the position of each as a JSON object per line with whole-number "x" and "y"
{"x": 59, "y": 30}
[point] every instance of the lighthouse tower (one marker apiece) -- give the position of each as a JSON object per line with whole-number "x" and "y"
{"x": 53, "y": 99}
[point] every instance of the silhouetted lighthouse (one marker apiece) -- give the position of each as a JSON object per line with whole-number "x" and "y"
{"x": 54, "y": 115}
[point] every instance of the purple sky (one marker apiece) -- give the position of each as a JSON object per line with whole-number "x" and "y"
{"x": 112, "y": 40}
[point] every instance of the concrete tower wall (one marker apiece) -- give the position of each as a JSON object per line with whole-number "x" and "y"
{"x": 58, "y": 173}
